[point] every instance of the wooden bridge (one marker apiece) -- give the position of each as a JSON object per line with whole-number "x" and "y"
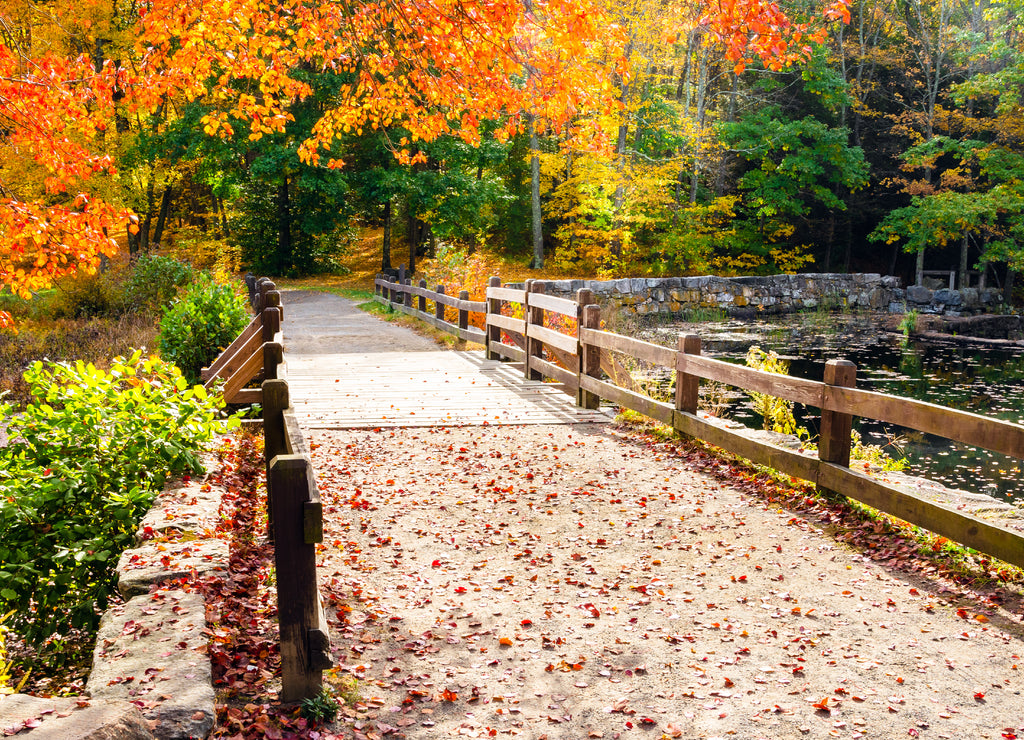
{"x": 339, "y": 377}
{"x": 347, "y": 369}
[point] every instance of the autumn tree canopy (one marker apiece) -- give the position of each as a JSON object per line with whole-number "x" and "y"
{"x": 76, "y": 80}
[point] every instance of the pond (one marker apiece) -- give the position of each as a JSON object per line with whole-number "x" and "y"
{"x": 979, "y": 378}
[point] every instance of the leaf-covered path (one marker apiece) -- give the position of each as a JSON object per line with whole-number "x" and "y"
{"x": 575, "y": 582}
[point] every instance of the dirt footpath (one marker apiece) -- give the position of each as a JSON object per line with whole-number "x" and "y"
{"x": 569, "y": 582}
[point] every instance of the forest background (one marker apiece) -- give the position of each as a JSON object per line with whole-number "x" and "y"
{"x": 598, "y": 138}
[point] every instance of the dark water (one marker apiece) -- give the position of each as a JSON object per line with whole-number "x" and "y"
{"x": 978, "y": 378}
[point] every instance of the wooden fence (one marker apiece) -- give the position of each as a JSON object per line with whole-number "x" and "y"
{"x": 583, "y": 365}
{"x": 294, "y": 512}
{"x": 256, "y": 353}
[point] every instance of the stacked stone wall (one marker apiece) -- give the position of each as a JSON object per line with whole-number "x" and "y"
{"x": 774, "y": 294}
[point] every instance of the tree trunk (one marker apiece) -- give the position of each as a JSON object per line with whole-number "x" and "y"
{"x": 962, "y": 275}
{"x": 919, "y": 268}
{"x": 284, "y": 228}
{"x": 161, "y": 219}
{"x": 538, "y": 226}
{"x": 385, "y": 258}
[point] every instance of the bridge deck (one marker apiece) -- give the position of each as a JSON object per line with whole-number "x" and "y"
{"x": 350, "y": 370}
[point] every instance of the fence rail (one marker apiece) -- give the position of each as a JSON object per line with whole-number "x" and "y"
{"x": 294, "y": 512}
{"x": 585, "y": 365}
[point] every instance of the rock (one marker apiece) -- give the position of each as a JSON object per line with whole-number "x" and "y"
{"x": 919, "y": 294}
{"x": 70, "y": 719}
{"x": 158, "y": 561}
{"x": 181, "y": 506}
{"x": 153, "y": 649}
{"x": 947, "y": 297}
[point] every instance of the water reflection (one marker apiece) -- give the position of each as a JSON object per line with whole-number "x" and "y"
{"x": 978, "y": 378}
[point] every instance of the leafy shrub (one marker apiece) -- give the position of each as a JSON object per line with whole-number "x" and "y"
{"x": 85, "y": 460}
{"x": 84, "y": 295}
{"x": 205, "y": 319}
{"x": 154, "y": 281}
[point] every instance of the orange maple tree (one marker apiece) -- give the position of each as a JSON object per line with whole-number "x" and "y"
{"x": 53, "y": 111}
{"x": 426, "y": 67}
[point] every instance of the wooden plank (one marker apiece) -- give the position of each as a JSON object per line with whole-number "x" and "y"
{"x": 254, "y": 329}
{"x": 507, "y": 322}
{"x": 628, "y": 399}
{"x": 507, "y": 350}
{"x": 973, "y": 429}
{"x": 778, "y": 458}
{"x": 472, "y": 334}
{"x": 809, "y": 392}
{"x": 958, "y": 526}
{"x": 472, "y": 306}
{"x": 507, "y": 294}
{"x": 243, "y": 375}
{"x": 552, "y": 338}
{"x": 553, "y": 371}
{"x": 653, "y": 353}
{"x": 294, "y": 439}
{"x": 554, "y": 304}
{"x": 248, "y": 395}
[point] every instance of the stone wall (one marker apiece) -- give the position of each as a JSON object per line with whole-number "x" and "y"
{"x": 772, "y": 294}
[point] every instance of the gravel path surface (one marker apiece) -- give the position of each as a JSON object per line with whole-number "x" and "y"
{"x": 573, "y": 582}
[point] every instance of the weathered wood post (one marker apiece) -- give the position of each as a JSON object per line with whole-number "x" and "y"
{"x": 834, "y": 439}
{"x": 275, "y": 401}
{"x": 493, "y": 308}
{"x": 263, "y": 287}
{"x": 396, "y": 295}
{"x": 534, "y": 317}
{"x": 250, "y": 284}
{"x": 687, "y": 385}
{"x": 438, "y": 306}
{"x": 463, "y": 312}
{"x": 421, "y": 300}
{"x": 298, "y": 527}
{"x": 589, "y": 354}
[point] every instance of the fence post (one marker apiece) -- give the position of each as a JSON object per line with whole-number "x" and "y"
{"x": 275, "y": 401}
{"x": 687, "y": 385}
{"x": 463, "y": 312}
{"x": 834, "y": 437}
{"x": 438, "y": 306}
{"x": 421, "y": 301}
{"x": 589, "y": 355}
{"x": 263, "y": 287}
{"x": 396, "y": 296}
{"x": 408, "y": 293}
{"x": 303, "y": 640}
{"x": 493, "y": 332}
{"x": 534, "y": 316}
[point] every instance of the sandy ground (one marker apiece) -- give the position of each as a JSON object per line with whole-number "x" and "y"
{"x": 571, "y": 582}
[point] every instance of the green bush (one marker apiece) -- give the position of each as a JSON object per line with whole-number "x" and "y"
{"x": 154, "y": 281}
{"x": 85, "y": 461}
{"x": 205, "y": 319}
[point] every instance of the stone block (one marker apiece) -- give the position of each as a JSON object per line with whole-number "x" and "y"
{"x": 151, "y": 650}
{"x": 919, "y": 294}
{"x": 159, "y": 561}
{"x": 71, "y": 719}
{"x": 878, "y": 298}
{"x": 740, "y": 300}
{"x": 947, "y": 297}
{"x": 969, "y": 296}
{"x": 638, "y": 285}
{"x": 182, "y": 506}
{"x": 622, "y": 286}
{"x": 602, "y": 287}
